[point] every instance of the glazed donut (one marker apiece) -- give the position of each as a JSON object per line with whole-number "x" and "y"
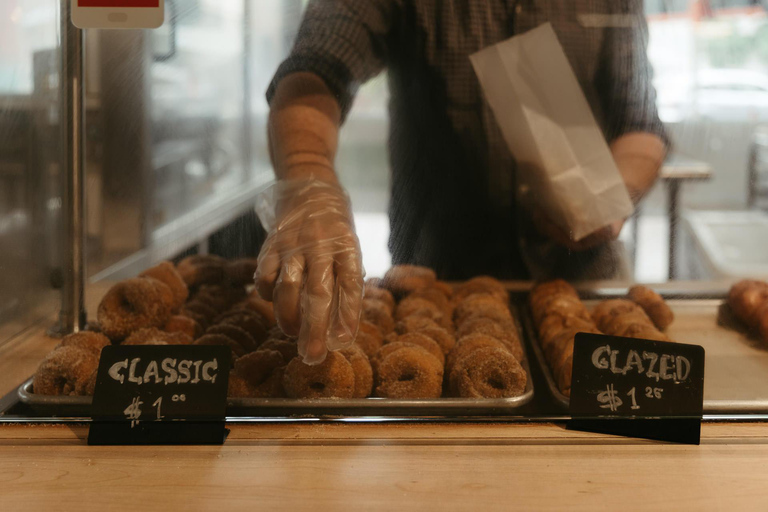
{"x": 333, "y": 378}
{"x": 220, "y": 339}
{"x": 262, "y": 372}
{"x": 288, "y": 348}
{"x": 467, "y": 345}
{"x": 167, "y": 274}
{"x": 184, "y": 324}
{"x": 560, "y": 305}
{"x": 746, "y": 298}
{"x": 654, "y": 305}
{"x": 403, "y": 279}
{"x": 612, "y": 325}
{"x": 414, "y": 324}
{"x": 369, "y": 338}
{"x": 151, "y": 334}
{"x": 131, "y": 305}
{"x": 551, "y": 288}
{"x": 241, "y": 272}
{"x": 442, "y": 337}
{"x": 66, "y": 371}
{"x": 425, "y": 342}
{"x": 377, "y": 313}
{"x": 640, "y": 331}
{"x": 488, "y": 373}
{"x": 202, "y": 269}
{"x": 380, "y": 294}
{"x": 361, "y": 366}
{"x": 409, "y": 372}
{"x": 236, "y": 334}
{"x": 553, "y": 325}
{"x": 86, "y": 340}
{"x": 262, "y": 307}
{"x": 610, "y": 309}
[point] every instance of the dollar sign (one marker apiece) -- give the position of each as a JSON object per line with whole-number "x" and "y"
{"x": 609, "y": 398}
{"x": 133, "y": 411}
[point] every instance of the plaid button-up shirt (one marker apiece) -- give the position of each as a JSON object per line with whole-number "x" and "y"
{"x": 453, "y": 186}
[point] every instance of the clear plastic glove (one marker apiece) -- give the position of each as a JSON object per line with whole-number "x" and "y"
{"x": 310, "y": 265}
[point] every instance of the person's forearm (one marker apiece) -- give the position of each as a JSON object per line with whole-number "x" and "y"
{"x": 303, "y": 129}
{"x": 639, "y": 157}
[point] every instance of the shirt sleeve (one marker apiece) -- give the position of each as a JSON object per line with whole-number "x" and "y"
{"x": 625, "y": 75}
{"x": 344, "y": 42}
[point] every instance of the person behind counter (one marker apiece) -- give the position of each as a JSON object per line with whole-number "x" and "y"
{"x": 453, "y": 178}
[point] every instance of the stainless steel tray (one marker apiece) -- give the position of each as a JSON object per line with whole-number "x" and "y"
{"x": 736, "y": 372}
{"x": 282, "y": 407}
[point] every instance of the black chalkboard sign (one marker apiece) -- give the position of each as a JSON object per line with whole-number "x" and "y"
{"x": 161, "y": 394}
{"x": 639, "y": 388}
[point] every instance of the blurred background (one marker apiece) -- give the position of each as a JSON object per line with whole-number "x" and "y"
{"x": 176, "y": 144}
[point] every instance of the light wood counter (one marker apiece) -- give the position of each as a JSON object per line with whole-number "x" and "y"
{"x": 387, "y": 467}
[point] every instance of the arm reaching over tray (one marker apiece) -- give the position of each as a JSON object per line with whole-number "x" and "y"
{"x": 310, "y": 265}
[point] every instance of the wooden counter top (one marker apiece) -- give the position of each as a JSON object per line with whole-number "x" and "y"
{"x": 387, "y": 467}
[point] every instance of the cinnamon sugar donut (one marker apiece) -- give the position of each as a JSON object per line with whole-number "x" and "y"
{"x": 66, "y": 371}
{"x": 241, "y": 271}
{"x": 380, "y": 294}
{"x": 442, "y": 337}
{"x": 202, "y": 269}
{"x": 131, "y": 305}
{"x": 220, "y": 339}
{"x": 237, "y": 334}
{"x": 488, "y": 373}
{"x": 369, "y": 338}
{"x": 152, "y": 334}
{"x": 414, "y": 323}
{"x": 481, "y": 284}
{"x": 333, "y": 378}
{"x": 409, "y": 372}
{"x": 262, "y": 372}
{"x": 467, "y": 345}
{"x": 363, "y": 371}
{"x": 248, "y": 321}
{"x": 415, "y": 306}
{"x": 507, "y": 336}
{"x": 377, "y": 313}
{"x": 262, "y": 307}
{"x": 403, "y": 279}
{"x": 167, "y": 274}
{"x": 425, "y": 342}
{"x": 86, "y": 340}
{"x": 184, "y": 324}
{"x": 288, "y": 348}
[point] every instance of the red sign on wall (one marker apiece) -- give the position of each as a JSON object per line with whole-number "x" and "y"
{"x": 118, "y": 3}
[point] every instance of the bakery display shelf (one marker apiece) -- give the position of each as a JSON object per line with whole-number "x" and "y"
{"x": 736, "y": 363}
{"x": 293, "y": 407}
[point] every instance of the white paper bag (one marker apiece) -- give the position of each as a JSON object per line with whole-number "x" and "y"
{"x": 563, "y": 159}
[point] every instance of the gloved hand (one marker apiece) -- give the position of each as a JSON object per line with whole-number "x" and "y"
{"x": 310, "y": 265}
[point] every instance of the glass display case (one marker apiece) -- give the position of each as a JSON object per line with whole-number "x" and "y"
{"x": 177, "y": 156}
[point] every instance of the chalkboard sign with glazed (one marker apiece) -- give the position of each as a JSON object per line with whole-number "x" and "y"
{"x": 173, "y": 394}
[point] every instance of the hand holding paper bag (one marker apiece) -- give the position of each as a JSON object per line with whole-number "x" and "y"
{"x": 565, "y": 164}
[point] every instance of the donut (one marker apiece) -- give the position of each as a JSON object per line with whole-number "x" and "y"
{"x": 236, "y": 334}
{"x": 425, "y": 342}
{"x": 409, "y": 372}
{"x": 241, "y": 272}
{"x": 414, "y": 306}
{"x": 220, "y": 339}
{"x": 184, "y": 324}
{"x": 403, "y": 279}
{"x": 333, "y": 378}
{"x": 145, "y": 342}
{"x": 361, "y": 366}
{"x": 167, "y": 274}
{"x": 499, "y": 314}
{"x": 144, "y": 335}
{"x": 640, "y": 331}
{"x": 442, "y": 337}
{"x": 488, "y": 373}
{"x": 288, "y": 348}
{"x": 202, "y": 269}
{"x": 564, "y": 376}
{"x": 468, "y": 344}
{"x": 434, "y": 295}
{"x": 607, "y": 310}
{"x": 507, "y": 336}
{"x": 388, "y": 349}
{"x": 445, "y": 288}
{"x": 553, "y": 325}
{"x": 131, "y": 305}
{"x": 201, "y": 308}
{"x": 262, "y": 372}
{"x": 746, "y": 299}
{"x": 762, "y": 321}
{"x": 248, "y": 321}
{"x": 220, "y": 296}
{"x": 377, "y": 312}
{"x": 263, "y": 307}
{"x": 66, "y": 371}
{"x": 414, "y": 324}
{"x": 480, "y": 306}
{"x": 478, "y": 323}
{"x": 481, "y": 284}
{"x": 653, "y": 304}
{"x": 380, "y": 294}
{"x": 199, "y": 319}
{"x": 369, "y": 338}
{"x": 561, "y": 305}
{"x": 556, "y": 287}
{"x": 86, "y": 340}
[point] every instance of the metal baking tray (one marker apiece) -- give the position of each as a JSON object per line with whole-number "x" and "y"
{"x": 736, "y": 363}
{"x": 282, "y": 407}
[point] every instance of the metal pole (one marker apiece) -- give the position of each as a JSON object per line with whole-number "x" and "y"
{"x": 72, "y": 317}
{"x": 674, "y": 218}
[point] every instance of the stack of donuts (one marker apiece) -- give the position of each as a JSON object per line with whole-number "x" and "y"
{"x": 558, "y": 315}
{"x": 748, "y": 300}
